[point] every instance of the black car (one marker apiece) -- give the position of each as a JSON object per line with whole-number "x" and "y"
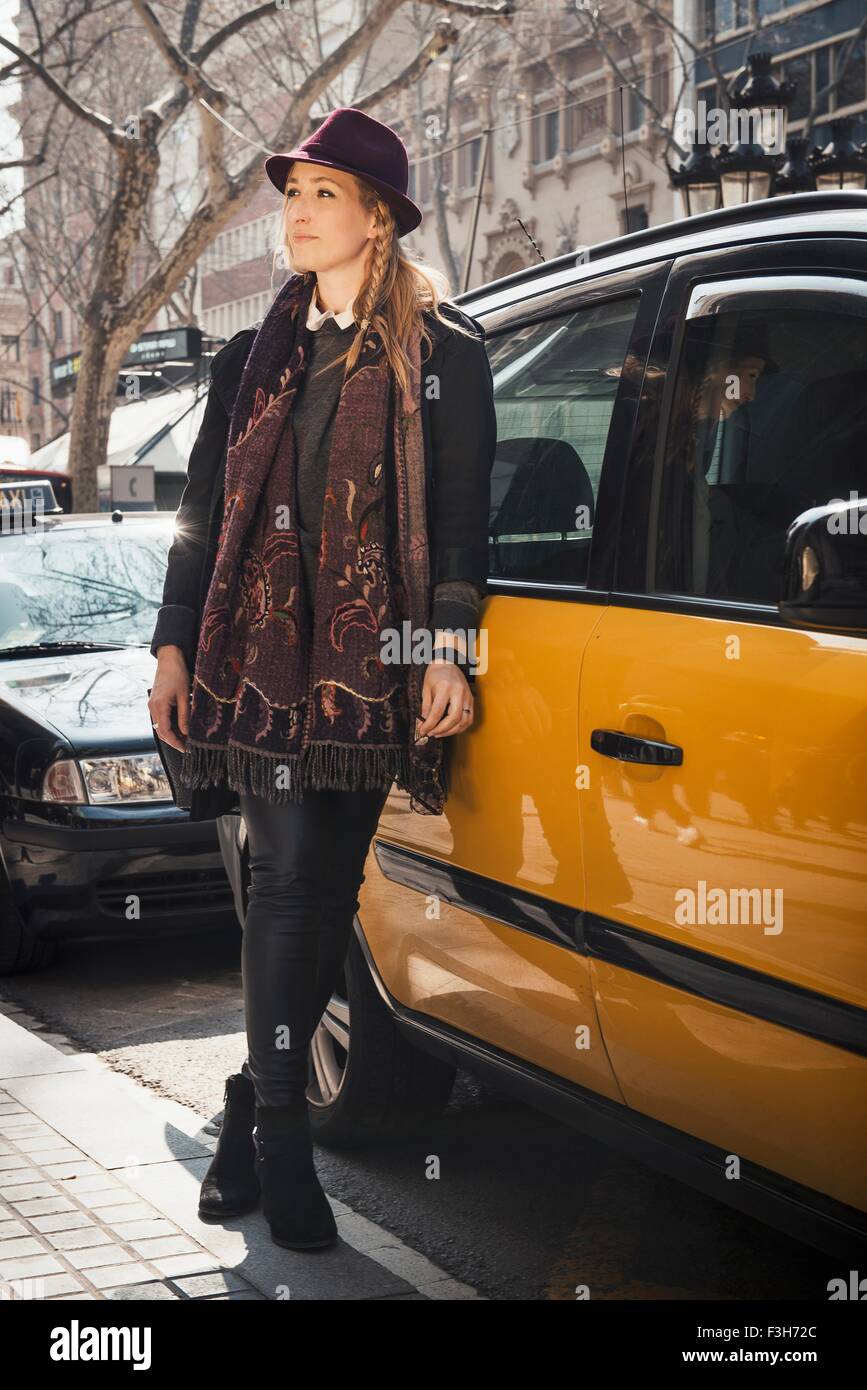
{"x": 91, "y": 842}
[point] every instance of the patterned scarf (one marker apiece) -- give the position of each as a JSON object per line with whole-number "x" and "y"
{"x": 283, "y": 698}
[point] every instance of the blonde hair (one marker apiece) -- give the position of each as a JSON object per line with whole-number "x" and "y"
{"x": 397, "y": 292}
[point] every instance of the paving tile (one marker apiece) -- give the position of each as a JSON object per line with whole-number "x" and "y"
{"x": 62, "y": 1221}
{"x": 203, "y": 1285}
{"x": 78, "y": 1240}
{"x": 127, "y": 1212}
{"x": 10, "y": 1161}
{"x": 27, "y": 1189}
{"x": 145, "y": 1292}
{"x": 165, "y": 1245}
{"x": 112, "y": 1275}
{"x": 9, "y": 1177}
{"x": 88, "y": 1182}
{"x": 106, "y": 1197}
{"x": 42, "y": 1206}
{"x": 63, "y": 1285}
{"x": 185, "y": 1264}
{"x": 142, "y": 1230}
{"x": 58, "y": 1153}
{"x": 98, "y": 1255}
{"x": 12, "y": 1228}
{"x": 39, "y": 1144}
{"x": 24, "y": 1245}
{"x": 70, "y": 1168}
{"x": 30, "y": 1265}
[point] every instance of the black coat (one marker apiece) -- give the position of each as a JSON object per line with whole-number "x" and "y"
{"x": 460, "y": 435}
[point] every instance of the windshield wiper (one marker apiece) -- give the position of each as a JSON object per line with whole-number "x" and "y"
{"x": 84, "y": 646}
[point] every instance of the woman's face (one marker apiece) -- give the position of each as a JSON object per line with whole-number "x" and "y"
{"x": 728, "y": 386}
{"x": 327, "y": 226}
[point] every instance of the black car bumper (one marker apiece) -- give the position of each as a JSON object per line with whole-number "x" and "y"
{"x": 116, "y": 874}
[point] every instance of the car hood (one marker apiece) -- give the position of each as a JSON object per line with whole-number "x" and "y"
{"x": 95, "y": 700}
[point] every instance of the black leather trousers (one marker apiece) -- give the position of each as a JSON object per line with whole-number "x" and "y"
{"x": 306, "y": 867}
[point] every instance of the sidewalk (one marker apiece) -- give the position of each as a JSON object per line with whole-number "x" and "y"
{"x": 99, "y": 1185}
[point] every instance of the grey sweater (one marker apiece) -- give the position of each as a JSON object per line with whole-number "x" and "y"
{"x": 455, "y": 603}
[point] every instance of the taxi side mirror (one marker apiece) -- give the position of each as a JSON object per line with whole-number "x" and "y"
{"x": 825, "y": 568}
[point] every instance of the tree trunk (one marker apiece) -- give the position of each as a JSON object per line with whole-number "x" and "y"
{"x": 95, "y": 398}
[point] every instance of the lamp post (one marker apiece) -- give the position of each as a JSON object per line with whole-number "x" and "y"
{"x": 840, "y": 164}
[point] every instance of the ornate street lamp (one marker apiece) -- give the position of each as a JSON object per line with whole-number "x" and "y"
{"x": 840, "y": 164}
{"x": 795, "y": 176}
{"x": 769, "y": 98}
{"x": 760, "y": 109}
{"x": 697, "y": 179}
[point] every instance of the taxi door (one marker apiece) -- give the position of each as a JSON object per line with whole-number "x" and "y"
{"x": 725, "y": 818}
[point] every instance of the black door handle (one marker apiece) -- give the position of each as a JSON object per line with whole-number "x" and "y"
{"x": 611, "y": 743}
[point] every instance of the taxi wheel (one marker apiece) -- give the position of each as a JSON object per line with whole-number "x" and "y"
{"x": 21, "y": 950}
{"x": 367, "y": 1083}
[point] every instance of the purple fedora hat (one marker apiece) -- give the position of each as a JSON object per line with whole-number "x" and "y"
{"x": 351, "y": 140}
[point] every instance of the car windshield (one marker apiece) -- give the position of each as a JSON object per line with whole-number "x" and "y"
{"x": 83, "y": 584}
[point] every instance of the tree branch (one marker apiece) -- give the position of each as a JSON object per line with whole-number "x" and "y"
{"x": 102, "y": 123}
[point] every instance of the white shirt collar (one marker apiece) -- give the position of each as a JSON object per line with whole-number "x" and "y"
{"x": 316, "y": 317}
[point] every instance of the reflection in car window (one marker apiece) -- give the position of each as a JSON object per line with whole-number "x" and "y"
{"x": 554, "y": 388}
{"x": 97, "y": 583}
{"x": 769, "y": 418}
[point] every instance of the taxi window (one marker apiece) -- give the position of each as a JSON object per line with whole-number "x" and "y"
{"x": 769, "y": 419}
{"x": 555, "y": 384}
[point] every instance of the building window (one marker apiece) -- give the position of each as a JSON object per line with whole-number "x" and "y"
{"x": 10, "y": 406}
{"x": 34, "y": 333}
{"x": 58, "y": 325}
{"x": 11, "y": 347}
{"x": 637, "y": 109}
{"x": 469, "y": 156}
{"x": 37, "y": 397}
{"x": 722, "y": 15}
{"x": 633, "y": 218}
{"x": 852, "y": 90}
{"x": 552, "y": 134}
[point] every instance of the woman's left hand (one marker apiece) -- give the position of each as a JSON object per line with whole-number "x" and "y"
{"x": 446, "y": 694}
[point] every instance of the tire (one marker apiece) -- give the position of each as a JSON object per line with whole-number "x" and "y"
{"x": 21, "y": 950}
{"x": 380, "y": 1086}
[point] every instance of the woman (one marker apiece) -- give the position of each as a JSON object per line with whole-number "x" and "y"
{"x": 337, "y": 504}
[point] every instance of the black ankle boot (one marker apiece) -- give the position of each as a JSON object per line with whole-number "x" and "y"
{"x": 230, "y": 1187}
{"x": 297, "y": 1210}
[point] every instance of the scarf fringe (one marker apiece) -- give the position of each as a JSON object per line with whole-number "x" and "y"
{"x": 321, "y": 766}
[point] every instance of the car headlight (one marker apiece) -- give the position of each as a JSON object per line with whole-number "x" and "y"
{"x": 98, "y": 781}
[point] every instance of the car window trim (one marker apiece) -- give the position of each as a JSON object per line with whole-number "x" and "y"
{"x": 625, "y": 283}
{"x": 706, "y": 273}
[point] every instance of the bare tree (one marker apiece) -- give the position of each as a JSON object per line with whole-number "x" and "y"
{"x": 119, "y": 293}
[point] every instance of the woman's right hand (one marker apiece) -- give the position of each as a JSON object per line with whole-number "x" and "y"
{"x": 171, "y": 690}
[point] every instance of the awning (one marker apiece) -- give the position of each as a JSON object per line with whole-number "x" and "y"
{"x": 14, "y": 451}
{"x": 157, "y": 430}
